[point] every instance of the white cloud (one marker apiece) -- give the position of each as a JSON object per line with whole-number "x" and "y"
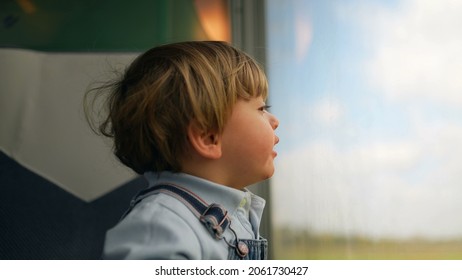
{"x": 327, "y": 111}
{"x": 416, "y": 50}
{"x": 401, "y": 155}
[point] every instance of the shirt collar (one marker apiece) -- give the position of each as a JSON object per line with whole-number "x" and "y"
{"x": 211, "y": 192}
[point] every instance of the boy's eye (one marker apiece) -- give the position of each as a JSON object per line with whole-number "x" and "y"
{"x": 264, "y": 108}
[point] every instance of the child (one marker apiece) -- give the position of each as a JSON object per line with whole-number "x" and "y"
{"x": 192, "y": 118}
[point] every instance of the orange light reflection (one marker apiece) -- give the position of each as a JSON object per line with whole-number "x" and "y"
{"x": 214, "y": 18}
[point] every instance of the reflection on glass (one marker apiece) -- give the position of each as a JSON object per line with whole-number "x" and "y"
{"x": 368, "y": 94}
{"x": 214, "y": 18}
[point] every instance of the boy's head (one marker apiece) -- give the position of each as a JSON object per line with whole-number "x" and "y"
{"x": 150, "y": 107}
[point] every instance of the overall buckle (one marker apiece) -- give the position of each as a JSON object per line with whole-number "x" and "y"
{"x": 215, "y": 218}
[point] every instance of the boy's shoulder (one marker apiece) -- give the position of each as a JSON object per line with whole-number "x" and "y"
{"x": 156, "y": 208}
{"x": 161, "y": 227}
{"x": 158, "y": 227}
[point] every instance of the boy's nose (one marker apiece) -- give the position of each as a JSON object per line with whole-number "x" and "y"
{"x": 274, "y": 121}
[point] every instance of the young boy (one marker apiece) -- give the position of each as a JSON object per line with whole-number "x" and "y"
{"x": 192, "y": 118}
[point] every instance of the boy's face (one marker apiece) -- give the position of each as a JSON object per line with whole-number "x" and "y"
{"x": 248, "y": 142}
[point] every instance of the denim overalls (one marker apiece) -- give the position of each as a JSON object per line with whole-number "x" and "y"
{"x": 214, "y": 217}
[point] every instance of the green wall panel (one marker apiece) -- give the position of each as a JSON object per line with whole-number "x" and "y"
{"x": 97, "y": 25}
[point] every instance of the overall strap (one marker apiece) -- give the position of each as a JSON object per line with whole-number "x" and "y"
{"x": 213, "y": 216}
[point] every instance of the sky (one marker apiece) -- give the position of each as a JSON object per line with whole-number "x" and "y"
{"x": 369, "y": 98}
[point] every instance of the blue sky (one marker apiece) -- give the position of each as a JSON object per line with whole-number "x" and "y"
{"x": 369, "y": 98}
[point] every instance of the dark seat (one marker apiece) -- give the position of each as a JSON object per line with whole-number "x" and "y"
{"x": 39, "y": 220}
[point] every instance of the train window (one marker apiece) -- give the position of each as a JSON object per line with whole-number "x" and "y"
{"x": 369, "y": 158}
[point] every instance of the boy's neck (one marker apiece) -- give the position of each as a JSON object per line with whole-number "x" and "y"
{"x": 210, "y": 170}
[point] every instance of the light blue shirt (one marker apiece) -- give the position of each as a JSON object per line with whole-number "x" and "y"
{"x": 162, "y": 227}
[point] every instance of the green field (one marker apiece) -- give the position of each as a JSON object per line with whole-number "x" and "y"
{"x": 301, "y": 245}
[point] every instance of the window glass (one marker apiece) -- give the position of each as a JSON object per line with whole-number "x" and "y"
{"x": 368, "y": 94}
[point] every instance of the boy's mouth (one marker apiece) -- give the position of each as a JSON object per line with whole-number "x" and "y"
{"x": 276, "y": 140}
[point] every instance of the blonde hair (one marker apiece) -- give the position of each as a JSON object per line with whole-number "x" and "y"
{"x": 149, "y": 108}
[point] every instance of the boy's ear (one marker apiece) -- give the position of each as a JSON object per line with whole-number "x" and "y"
{"x": 205, "y": 143}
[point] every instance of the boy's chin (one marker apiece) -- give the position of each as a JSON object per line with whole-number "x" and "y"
{"x": 268, "y": 175}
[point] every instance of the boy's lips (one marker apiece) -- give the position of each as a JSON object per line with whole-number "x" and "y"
{"x": 276, "y": 140}
{"x": 275, "y": 143}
